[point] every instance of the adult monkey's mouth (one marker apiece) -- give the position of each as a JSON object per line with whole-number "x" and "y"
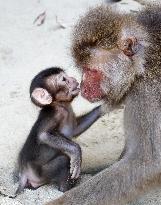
{"x": 91, "y": 85}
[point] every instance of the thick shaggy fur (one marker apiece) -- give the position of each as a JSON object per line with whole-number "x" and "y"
{"x": 139, "y": 86}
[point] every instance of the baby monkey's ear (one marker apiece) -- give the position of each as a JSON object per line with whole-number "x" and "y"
{"x": 41, "y": 96}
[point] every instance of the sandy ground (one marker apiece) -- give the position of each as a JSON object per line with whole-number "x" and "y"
{"x": 25, "y": 49}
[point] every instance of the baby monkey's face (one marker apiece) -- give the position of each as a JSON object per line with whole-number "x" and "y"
{"x": 62, "y": 87}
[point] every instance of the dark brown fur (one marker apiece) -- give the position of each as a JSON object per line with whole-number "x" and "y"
{"x": 49, "y": 154}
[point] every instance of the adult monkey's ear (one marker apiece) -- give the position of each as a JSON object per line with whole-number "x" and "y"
{"x": 129, "y": 46}
{"x": 41, "y": 97}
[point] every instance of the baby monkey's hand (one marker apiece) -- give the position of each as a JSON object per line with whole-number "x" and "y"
{"x": 75, "y": 163}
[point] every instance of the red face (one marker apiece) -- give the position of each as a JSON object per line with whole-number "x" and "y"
{"x": 90, "y": 85}
{"x": 105, "y": 74}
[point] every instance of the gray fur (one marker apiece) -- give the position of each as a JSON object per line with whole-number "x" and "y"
{"x": 139, "y": 169}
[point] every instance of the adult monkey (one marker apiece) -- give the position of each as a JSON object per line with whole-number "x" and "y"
{"x": 120, "y": 58}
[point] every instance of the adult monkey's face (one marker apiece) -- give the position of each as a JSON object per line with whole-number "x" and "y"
{"x": 109, "y": 50}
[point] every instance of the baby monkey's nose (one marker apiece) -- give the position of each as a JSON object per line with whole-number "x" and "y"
{"x": 74, "y": 82}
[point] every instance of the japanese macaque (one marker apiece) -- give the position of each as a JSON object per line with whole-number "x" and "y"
{"x": 119, "y": 56}
{"x": 49, "y": 154}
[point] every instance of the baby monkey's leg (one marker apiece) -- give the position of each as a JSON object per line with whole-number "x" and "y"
{"x": 67, "y": 147}
{"x": 58, "y": 170}
{"x": 22, "y": 184}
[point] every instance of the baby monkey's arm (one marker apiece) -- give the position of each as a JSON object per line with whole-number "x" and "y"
{"x": 85, "y": 121}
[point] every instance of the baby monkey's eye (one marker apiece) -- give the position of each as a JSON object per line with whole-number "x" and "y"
{"x": 64, "y": 79}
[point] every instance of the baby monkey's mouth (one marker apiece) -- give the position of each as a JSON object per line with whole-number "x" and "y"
{"x": 75, "y": 89}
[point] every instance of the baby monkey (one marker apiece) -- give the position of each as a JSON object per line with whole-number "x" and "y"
{"x": 49, "y": 155}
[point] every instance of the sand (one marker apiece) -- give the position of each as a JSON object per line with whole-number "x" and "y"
{"x": 25, "y": 49}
